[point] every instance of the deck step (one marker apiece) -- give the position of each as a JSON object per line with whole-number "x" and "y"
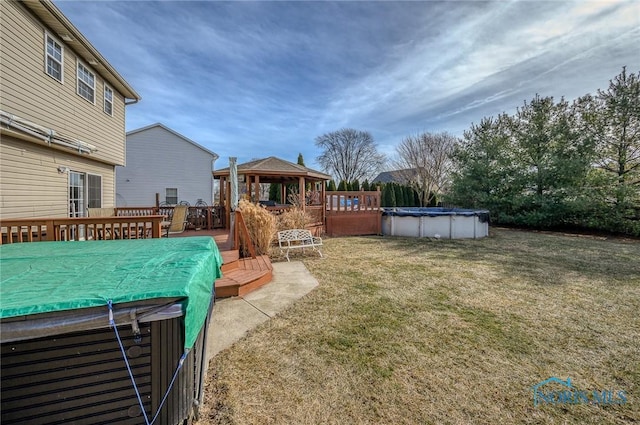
{"x": 229, "y": 260}
{"x": 248, "y": 275}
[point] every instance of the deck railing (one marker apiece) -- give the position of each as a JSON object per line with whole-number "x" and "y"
{"x": 348, "y": 202}
{"x": 80, "y": 228}
{"x": 197, "y": 217}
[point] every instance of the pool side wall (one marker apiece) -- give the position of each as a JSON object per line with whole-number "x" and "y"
{"x": 440, "y": 226}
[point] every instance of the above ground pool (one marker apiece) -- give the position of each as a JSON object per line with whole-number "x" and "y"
{"x": 445, "y": 223}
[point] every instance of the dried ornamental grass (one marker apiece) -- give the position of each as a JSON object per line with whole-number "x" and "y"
{"x": 294, "y": 218}
{"x": 261, "y": 225}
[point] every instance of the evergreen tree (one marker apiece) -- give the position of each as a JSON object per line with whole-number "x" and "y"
{"x": 399, "y": 195}
{"x": 388, "y": 198}
{"x": 274, "y": 193}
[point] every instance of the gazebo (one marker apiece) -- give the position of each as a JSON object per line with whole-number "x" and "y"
{"x": 279, "y": 171}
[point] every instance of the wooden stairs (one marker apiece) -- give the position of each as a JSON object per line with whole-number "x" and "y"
{"x": 239, "y": 275}
{"x": 242, "y": 275}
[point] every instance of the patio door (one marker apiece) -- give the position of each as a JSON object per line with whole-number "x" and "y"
{"x": 85, "y": 191}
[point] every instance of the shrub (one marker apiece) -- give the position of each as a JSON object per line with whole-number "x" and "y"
{"x": 261, "y": 225}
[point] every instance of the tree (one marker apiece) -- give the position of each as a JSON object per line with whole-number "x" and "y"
{"x": 425, "y": 162}
{"x": 388, "y": 195}
{"x": 557, "y": 165}
{"x": 612, "y": 119}
{"x": 349, "y": 154}
{"x": 484, "y": 168}
{"x": 301, "y": 160}
{"x": 275, "y": 193}
{"x": 552, "y": 155}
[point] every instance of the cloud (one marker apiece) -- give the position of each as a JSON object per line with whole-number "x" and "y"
{"x": 252, "y": 79}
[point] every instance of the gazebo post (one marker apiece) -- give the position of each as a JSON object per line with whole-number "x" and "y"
{"x": 222, "y": 187}
{"x": 301, "y": 193}
{"x": 283, "y": 192}
{"x": 323, "y": 202}
{"x": 247, "y": 183}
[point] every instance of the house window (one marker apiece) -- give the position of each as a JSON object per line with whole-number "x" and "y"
{"x": 86, "y": 83}
{"x": 171, "y": 195}
{"x": 54, "y": 55}
{"x": 85, "y": 191}
{"x": 108, "y": 100}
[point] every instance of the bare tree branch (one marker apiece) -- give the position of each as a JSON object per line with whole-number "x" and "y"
{"x": 349, "y": 155}
{"x": 424, "y": 161}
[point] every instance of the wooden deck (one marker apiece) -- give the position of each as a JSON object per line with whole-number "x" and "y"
{"x": 240, "y": 275}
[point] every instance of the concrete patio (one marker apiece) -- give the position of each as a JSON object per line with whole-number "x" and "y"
{"x": 233, "y": 317}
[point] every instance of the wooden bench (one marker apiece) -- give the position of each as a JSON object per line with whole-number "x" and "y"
{"x": 298, "y": 239}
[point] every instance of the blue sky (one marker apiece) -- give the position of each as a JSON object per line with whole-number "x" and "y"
{"x": 258, "y": 79}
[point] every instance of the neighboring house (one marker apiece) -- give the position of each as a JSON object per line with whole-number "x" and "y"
{"x": 62, "y": 111}
{"x": 396, "y": 176}
{"x": 166, "y": 167}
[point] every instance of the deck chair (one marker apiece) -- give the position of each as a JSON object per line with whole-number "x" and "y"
{"x": 178, "y": 220}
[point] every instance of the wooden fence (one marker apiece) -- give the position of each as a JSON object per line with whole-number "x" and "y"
{"x": 353, "y": 213}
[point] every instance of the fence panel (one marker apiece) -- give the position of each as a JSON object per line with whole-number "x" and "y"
{"x": 353, "y": 213}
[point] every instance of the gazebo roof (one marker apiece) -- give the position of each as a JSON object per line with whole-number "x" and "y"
{"x": 274, "y": 170}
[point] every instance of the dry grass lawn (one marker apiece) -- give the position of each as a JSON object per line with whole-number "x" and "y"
{"x": 419, "y": 331}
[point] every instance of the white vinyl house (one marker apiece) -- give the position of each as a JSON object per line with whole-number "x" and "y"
{"x": 164, "y": 167}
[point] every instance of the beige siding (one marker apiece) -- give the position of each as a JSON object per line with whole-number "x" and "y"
{"x": 28, "y": 92}
{"x": 31, "y": 186}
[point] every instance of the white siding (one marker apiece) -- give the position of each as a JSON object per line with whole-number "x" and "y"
{"x": 158, "y": 159}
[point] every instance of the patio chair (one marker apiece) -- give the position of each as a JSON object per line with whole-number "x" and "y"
{"x": 178, "y": 220}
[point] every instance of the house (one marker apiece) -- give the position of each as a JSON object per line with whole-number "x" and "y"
{"x": 164, "y": 167}
{"x": 62, "y": 116}
{"x": 396, "y": 176}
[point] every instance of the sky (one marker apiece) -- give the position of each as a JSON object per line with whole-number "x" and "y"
{"x": 257, "y": 79}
